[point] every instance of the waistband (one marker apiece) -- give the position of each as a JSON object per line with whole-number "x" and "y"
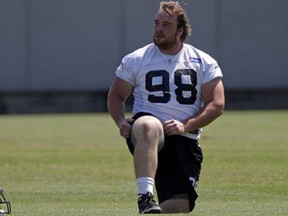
{"x": 196, "y": 134}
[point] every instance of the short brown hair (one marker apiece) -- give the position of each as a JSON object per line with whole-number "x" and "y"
{"x": 173, "y": 8}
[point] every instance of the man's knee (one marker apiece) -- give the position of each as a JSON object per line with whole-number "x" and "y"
{"x": 147, "y": 128}
{"x": 147, "y": 122}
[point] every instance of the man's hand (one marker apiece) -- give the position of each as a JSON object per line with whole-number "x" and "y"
{"x": 125, "y": 127}
{"x": 173, "y": 127}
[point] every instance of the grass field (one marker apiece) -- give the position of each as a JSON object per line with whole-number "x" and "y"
{"x": 77, "y": 164}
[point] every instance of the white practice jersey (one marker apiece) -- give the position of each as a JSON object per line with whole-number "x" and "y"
{"x": 168, "y": 86}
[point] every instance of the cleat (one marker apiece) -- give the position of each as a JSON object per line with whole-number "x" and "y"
{"x": 147, "y": 204}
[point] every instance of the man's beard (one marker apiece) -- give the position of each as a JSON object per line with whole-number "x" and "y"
{"x": 165, "y": 44}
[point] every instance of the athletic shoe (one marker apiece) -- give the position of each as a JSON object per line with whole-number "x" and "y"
{"x": 147, "y": 204}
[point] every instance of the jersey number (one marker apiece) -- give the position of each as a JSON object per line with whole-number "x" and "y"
{"x": 180, "y": 76}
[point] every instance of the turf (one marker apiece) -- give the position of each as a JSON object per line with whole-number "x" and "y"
{"x": 77, "y": 164}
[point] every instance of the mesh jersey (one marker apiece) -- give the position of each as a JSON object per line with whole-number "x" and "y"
{"x": 168, "y": 86}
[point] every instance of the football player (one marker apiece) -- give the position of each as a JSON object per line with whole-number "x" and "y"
{"x": 177, "y": 90}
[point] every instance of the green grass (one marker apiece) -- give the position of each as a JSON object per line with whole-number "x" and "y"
{"x": 77, "y": 164}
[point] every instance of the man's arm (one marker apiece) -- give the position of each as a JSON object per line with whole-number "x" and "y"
{"x": 214, "y": 101}
{"x": 118, "y": 94}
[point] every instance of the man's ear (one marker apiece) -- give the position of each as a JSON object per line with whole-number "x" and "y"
{"x": 180, "y": 31}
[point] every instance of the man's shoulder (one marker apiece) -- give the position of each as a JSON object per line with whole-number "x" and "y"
{"x": 134, "y": 60}
{"x": 199, "y": 55}
{"x": 141, "y": 55}
{"x": 140, "y": 52}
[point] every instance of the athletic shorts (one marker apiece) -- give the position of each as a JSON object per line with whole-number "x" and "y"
{"x": 179, "y": 166}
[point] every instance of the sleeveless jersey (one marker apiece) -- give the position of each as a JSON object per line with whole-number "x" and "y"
{"x": 168, "y": 86}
